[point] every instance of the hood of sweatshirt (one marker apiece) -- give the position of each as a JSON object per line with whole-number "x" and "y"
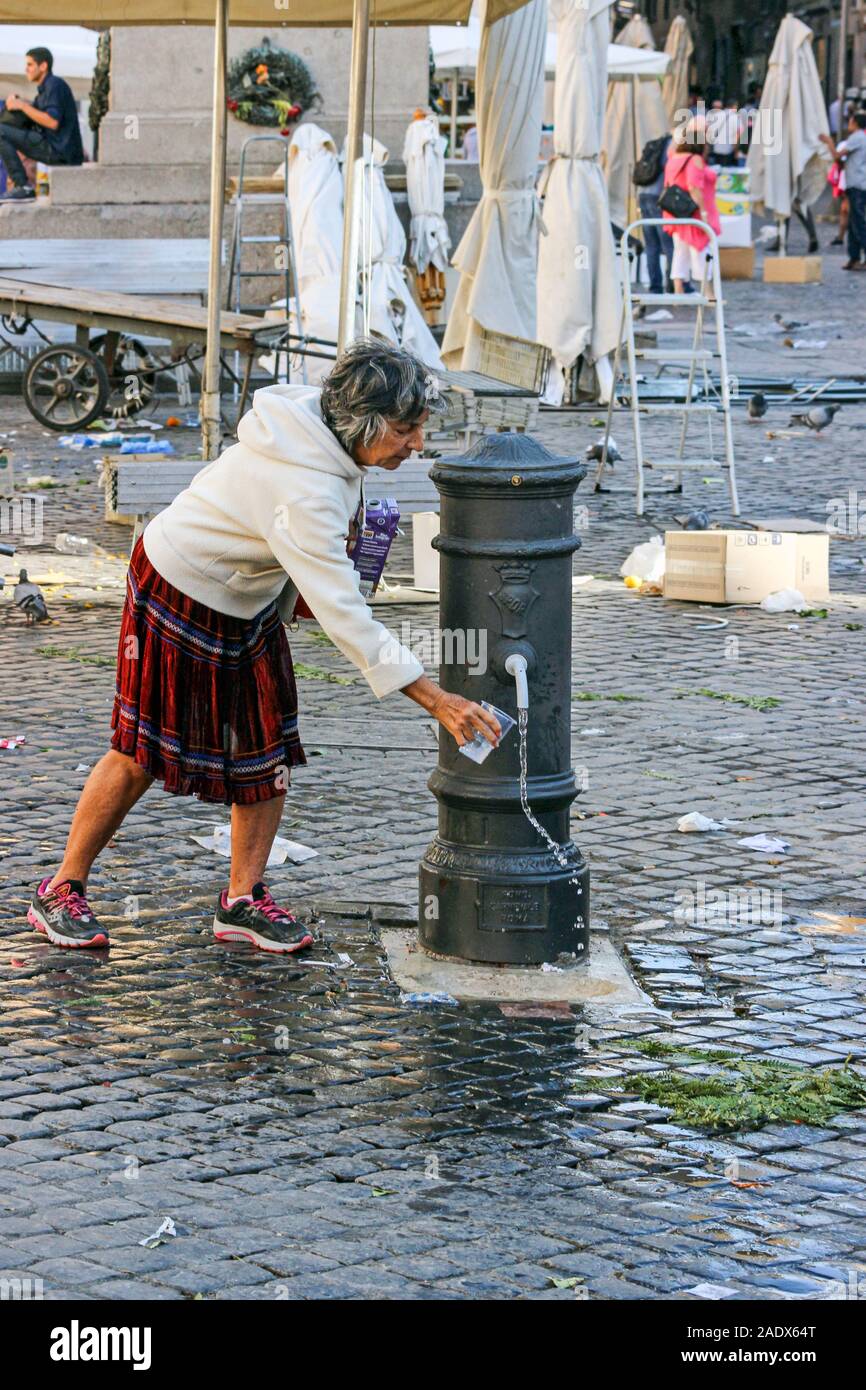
{"x": 285, "y": 423}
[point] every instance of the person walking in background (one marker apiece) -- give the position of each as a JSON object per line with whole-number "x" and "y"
{"x": 657, "y": 243}
{"x": 723, "y": 132}
{"x": 687, "y": 168}
{"x": 749, "y": 113}
{"x": 853, "y": 150}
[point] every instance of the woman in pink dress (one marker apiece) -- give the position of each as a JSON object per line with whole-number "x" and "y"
{"x": 687, "y": 168}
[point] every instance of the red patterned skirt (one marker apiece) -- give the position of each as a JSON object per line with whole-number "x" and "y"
{"x": 207, "y": 704}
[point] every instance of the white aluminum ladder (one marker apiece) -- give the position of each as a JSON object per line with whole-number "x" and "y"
{"x": 285, "y": 266}
{"x": 697, "y": 356}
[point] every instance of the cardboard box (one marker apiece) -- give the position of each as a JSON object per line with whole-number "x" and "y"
{"x": 737, "y": 262}
{"x": 745, "y": 566}
{"x": 792, "y": 270}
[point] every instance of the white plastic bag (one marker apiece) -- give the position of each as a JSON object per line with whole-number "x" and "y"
{"x": 784, "y": 601}
{"x": 696, "y": 821}
{"x": 646, "y": 562}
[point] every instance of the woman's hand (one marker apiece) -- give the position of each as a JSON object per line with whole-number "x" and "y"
{"x": 462, "y": 718}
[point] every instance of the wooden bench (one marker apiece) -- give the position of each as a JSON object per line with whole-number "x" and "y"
{"x": 140, "y": 485}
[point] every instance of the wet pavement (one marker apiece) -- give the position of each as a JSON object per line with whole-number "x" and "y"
{"x": 312, "y": 1135}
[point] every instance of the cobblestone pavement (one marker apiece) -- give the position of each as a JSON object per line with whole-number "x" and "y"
{"x": 313, "y": 1136}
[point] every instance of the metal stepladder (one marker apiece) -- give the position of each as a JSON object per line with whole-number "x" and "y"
{"x": 285, "y": 265}
{"x": 716, "y": 400}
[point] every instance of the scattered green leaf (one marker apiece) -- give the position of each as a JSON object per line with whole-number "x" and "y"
{"x": 593, "y": 695}
{"x": 854, "y": 627}
{"x": 758, "y": 702}
{"x": 559, "y": 1283}
{"x": 76, "y": 654}
{"x": 813, "y": 612}
{"x": 318, "y": 673}
{"x": 743, "y": 1094}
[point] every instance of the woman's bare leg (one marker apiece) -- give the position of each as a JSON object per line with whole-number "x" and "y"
{"x": 109, "y": 794}
{"x": 253, "y": 830}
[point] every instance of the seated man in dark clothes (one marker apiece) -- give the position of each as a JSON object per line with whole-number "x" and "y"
{"x": 45, "y": 129}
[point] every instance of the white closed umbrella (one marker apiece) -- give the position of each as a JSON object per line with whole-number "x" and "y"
{"x": 497, "y": 255}
{"x": 388, "y": 308}
{"x": 679, "y": 47}
{"x": 578, "y": 286}
{"x": 787, "y": 159}
{"x": 635, "y": 113}
{"x": 316, "y": 204}
{"x": 424, "y": 157}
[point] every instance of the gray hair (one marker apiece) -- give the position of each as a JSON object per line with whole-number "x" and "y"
{"x": 372, "y": 384}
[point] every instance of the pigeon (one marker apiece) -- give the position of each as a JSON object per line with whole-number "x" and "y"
{"x": 697, "y": 521}
{"x": 816, "y": 418}
{"x": 757, "y": 406}
{"x": 595, "y": 452}
{"x": 29, "y": 598}
{"x": 788, "y": 324}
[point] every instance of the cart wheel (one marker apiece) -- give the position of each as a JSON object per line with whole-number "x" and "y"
{"x": 66, "y": 387}
{"x": 132, "y": 379}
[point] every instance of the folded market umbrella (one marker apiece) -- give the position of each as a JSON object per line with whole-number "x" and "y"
{"x": 635, "y": 113}
{"x": 497, "y": 255}
{"x": 316, "y": 204}
{"x": 675, "y": 87}
{"x": 578, "y": 283}
{"x": 387, "y": 307}
{"x": 786, "y": 159}
{"x": 424, "y": 157}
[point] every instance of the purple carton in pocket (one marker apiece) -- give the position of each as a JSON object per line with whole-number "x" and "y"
{"x": 376, "y": 531}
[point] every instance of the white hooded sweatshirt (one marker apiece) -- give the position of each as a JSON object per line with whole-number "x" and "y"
{"x": 269, "y": 518}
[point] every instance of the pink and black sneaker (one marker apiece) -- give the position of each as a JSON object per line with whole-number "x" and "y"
{"x": 63, "y": 914}
{"x": 259, "y": 920}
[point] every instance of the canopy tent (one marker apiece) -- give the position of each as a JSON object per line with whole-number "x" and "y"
{"x": 316, "y": 14}
{"x": 388, "y": 308}
{"x": 635, "y": 113}
{"x": 679, "y": 47}
{"x": 578, "y": 285}
{"x": 259, "y": 13}
{"x": 786, "y": 159}
{"x": 455, "y": 49}
{"x": 497, "y": 255}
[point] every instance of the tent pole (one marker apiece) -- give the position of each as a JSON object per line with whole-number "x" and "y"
{"x": 452, "y": 153}
{"x": 211, "y": 425}
{"x": 354, "y": 150}
{"x": 843, "y": 54}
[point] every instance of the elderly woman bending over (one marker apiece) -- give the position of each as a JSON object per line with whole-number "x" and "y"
{"x": 206, "y": 701}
